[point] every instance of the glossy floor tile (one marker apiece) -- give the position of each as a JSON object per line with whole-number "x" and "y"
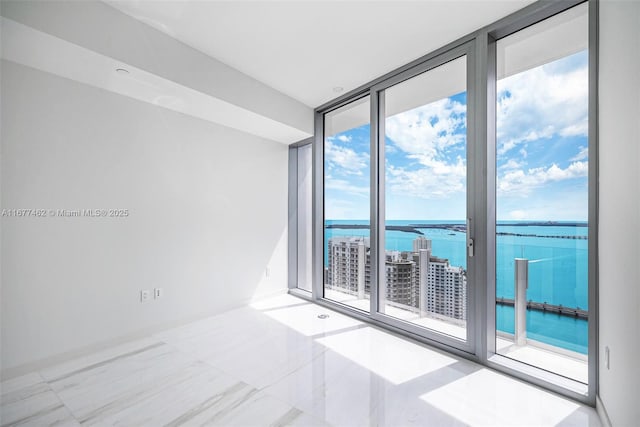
{"x": 29, "y": 401}
{"x": 567, "y": 363}
{"x": 281, "y": 361}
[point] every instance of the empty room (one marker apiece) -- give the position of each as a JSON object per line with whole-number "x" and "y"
{"x": 319, "y": 213}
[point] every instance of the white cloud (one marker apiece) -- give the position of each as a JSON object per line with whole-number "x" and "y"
{"x": 518, "y": 214}
{"x": 347, "y": 187}
{"x": 425, "y": 135}
{"x": 541, "y": 103}
{"x": 582, "y": 154}
{"x": 563, "y": 205}
{"x": 523, "y": 152}
{"x": 344, "y": 138}
{"x": 425, "y": 131}
{"x": 439, "y": 180}
{"x": 512, "y": 164}
{"x": 346, "y": 209}
{"x": 519, "y": 182}
{"x": 344, "y": 160}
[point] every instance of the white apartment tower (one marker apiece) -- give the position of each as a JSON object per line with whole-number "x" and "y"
{"x": 347, "y": 258}
{"x": 421, "y": 243}
{"x": 400, "y": 275}
{"x": 446, "y": 289}
{"x": 416, "y": 279}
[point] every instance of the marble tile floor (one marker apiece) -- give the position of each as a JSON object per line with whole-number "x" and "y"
{"x": 569, "y": 364}
{"x": 276, "y": 363}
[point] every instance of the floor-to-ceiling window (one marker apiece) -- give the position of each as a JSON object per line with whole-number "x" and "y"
{"x": 304, "y": 202}
{"x": 413, "y": 255}
{"x": 422, "y": 198}
{"x": 300, "y": 215}
{"x": 347, "y": 243}
{"x": 454, "y": 198}
{"x": 542, "y": 163}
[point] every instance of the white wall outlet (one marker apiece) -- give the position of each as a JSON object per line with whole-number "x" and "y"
{"x": 145, "y": 294}
{"x": 157, "y": 293}
{"x": 267, "y": 272}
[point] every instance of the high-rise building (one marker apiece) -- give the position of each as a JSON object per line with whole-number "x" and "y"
{"x": 446, "y": 289}
{"x": 417, "y": 280}
{"x": 347, "y": 258}
{"x": 400, "y": 279}
{"x": 421, "y": 242}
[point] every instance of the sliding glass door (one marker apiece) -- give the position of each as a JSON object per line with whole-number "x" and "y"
{"x": 423, "y": 200}
{"x": 396, "y": 206}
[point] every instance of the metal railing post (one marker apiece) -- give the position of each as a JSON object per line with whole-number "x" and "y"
{"x": 521, "y": 280}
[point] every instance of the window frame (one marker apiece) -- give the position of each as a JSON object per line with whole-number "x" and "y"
{"x": 481, "y": 100}
{"x": 466, "y": 49}
{"x": 293, "y": 250}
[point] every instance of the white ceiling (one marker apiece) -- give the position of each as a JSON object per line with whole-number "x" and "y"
{"x": 142, "y": 79}
{"x": 306, "y": 48}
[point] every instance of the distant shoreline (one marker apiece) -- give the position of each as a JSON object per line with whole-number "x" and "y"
{"x": 545, "y": 224}
{"x": 462, "y": 228}
{"x": 445, "y": 224}
{"x": 403, "y": 228}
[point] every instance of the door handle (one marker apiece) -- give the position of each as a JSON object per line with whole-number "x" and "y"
{"x": 470, "y": 248}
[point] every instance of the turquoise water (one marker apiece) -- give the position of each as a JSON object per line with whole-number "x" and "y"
{"x": 558, "y": 270}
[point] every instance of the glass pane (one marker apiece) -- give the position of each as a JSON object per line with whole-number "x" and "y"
{"x": 304, "y": 216}
{"x": 542, "y": 307}
{"x": 426, "y": 200}
{"x": 346, "y": 204}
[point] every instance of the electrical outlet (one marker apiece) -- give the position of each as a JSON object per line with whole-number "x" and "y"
{"x": 145, "y": 294}
{"x": 267, "y": 272}
{"x": 607, "y": 357}
{"x": 157, "y": 293}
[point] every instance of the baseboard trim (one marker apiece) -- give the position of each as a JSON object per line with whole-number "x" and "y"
{"x": 602, "y": 413}
{"x": 38, "y": 365}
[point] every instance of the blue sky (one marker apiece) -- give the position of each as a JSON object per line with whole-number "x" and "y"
{"x": 542, "y": 153}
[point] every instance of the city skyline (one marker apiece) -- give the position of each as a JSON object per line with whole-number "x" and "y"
{"x": 416, "y": 280}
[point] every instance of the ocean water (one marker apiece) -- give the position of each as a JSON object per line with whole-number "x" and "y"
{"x": 558, "y": 271}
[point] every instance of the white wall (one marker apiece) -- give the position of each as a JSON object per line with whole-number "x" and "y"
{"x": 619, "y": 225}
{"x": 208, "y": 215}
